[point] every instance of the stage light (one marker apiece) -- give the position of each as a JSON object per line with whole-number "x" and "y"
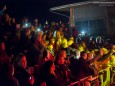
{"x": 26, "y": 25}
{"x": 38, "y": 29}
{"x": 83, "y": 32}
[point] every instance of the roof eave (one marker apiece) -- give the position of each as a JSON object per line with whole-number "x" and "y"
{"x": 71, "y": 5}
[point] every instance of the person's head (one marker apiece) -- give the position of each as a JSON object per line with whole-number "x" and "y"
{"x": 101, "y": 52}
{"x": 66, "y": 29}
{"x": 50, "y": 47}
{"x": 83, "y": 44}
{"x": 61, "y": 56}
{"x": 6, "y": 16}
{"x": 49, "y": 66}
{"x": 52, "y": 40}
{"x": 2, "y": 46}
{"x": 18, "y": 26}
{"x": 27, "y": 32}
{"x": 60, "y": 29}
{"x": 60, "y": 60}
{"x": 44, "y": 36}
{"x": 13, "y": 20}
{"x": 36, "y": 20}
{"x": 47, "y": 55}
{"x": 38, "y": 36}
{"x": 25, "y": 19}
{"x": 7, "y": 70}
{"x": 21, "y": 60}
{"x": 93, "y": 42}
{"x": 83, "y": 55}
{"x": 64, "y": 43}
{"x": 89, "y": 56}
{"x": 62, "y": 53}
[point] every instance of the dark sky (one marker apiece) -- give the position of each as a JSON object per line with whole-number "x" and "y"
{"x": 35, "y": 8}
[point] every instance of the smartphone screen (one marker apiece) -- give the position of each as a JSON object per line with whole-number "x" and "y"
{"x": 30, "y": 77}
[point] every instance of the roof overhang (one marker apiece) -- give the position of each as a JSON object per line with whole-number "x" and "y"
{"x": 67, "y": 7}
{"x": 90, "y": 3}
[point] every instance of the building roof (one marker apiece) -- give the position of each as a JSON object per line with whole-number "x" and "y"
{"x": 79, "y": 4}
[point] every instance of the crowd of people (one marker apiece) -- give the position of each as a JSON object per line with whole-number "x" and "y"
{"x": 51, "y": 56}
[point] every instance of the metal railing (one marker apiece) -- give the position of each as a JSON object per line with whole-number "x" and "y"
{"x": 104, "y": 77}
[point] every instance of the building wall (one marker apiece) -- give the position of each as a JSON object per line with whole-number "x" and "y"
{"x": 91, "y": 20}
{"x": 90, "y": 12}
{"x": 111, "y": 20}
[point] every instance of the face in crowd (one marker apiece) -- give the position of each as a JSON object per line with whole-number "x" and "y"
{"x": 2, "y": 46}
{"x": 52, "y": 68}
{"x": 23, "y": 62}
{"x": 62, "y": 57}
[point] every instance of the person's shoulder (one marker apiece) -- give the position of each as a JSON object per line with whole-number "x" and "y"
{"x": 15, "y": 81}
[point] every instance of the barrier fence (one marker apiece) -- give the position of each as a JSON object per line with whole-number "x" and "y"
{"x": 106, "y": 77}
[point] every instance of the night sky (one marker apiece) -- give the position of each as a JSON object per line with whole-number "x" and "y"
{"x": 35, "y": 8}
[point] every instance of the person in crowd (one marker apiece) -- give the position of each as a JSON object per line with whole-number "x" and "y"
{"x": 3, "y": 54}
{"x": 35, "y": 55}
{"x": 66, "y": 33}
{"x": 26, "y": 23}
{"x": 5, "y": 28}
{"x": 25, "y": 42}
{"x": 50, "y": 49}
{"x": 13, "y": 25}
{"x": 44, "y": 41}
{"x": 47, "y": 56}
{"x": 45, "y": 28}
{"x": 82, "y": 46}
{"x": 7, "y": 75}
{"x": 52, "y": 46}
{"x": 99, "y": 41}
{"x": 89, "y": 57}
{"x": 70, "y": 41}
{"x": 59, "y": 32}
{"x": 107, "y": 44}
{"x": 99, "y": 54}
{"x": 62, "y": 68}
{"x": 74, "y": 33}
{"x": 86, "y": 39}
{"x": 92, "y": 44}
{"x": 58, "y": 38}
{"x": 36, "y": 23}
{"x": 49, "y": 34}
{"x": 49, "y": 76}
{"x": 4, "y": 8}
{"x": 1, "y": 13}
{"x": 23, "y": 75}
{"x": 64, "y": 42}
{"x": 84, "y": 69}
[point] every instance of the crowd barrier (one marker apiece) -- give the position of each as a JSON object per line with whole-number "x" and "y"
{"x": 85, "y": 81}
{"x": 106, "y": 77}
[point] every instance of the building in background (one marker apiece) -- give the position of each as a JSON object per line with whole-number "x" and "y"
{"x": 91, "y": 17}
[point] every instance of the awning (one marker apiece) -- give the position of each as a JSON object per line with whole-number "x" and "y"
{"x": 67, "y": 7}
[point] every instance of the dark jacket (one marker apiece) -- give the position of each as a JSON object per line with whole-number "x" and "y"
{"x": 52, "y": 80}
{"x": 22, "y": 75}
{"x": 83, "y": 69}
{"x": 9, "y": 82}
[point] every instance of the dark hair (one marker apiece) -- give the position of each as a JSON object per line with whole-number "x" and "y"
{"x": 82, "y": 53}
{"x": 6, "y": 70}
{"x": 47, "y": 65}
{"x": 45, "y": 52}
{"x": 18, "y": 58}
